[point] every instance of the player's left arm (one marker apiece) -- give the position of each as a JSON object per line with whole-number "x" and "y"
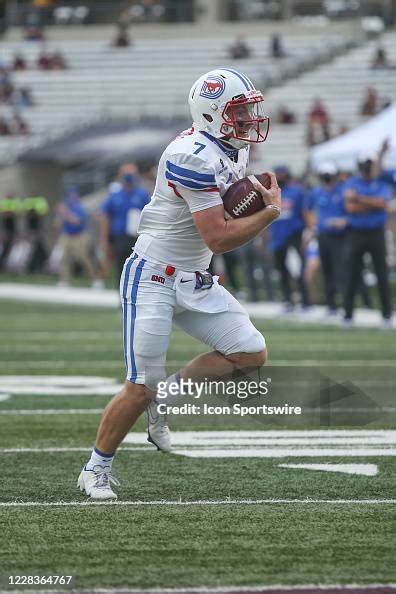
{"x": 222, "y": 235}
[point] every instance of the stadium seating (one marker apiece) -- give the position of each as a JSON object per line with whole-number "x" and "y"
{"x": 151, "y": 77}
{"x": 341, "y": 84}
{"x": 104, "y": 82}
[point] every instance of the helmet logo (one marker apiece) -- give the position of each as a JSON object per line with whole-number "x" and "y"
{"x": 213, "y": 87}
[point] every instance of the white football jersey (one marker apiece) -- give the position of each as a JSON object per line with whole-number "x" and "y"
{"x": 194, "y": 171}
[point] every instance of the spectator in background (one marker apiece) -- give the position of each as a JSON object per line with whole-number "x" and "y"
{"x": 312, "y": 269}
{"x": 73, "y": 218}
{"x": 120, "y": 216}
{"x": 19, "y": 62}
{"x": 44, "y": 60}
{"x": 6, "y": 85}
{"x": 230, "y": 261}
{"x": 22, "y": 98}
{"x": 8, "y": 226}
{"x": 318, "y": 123}
{"x": 318, "y": 113}
{"x": 58, "y": 61}
{"x": 19, "y": 126}
{"x": 239, "y": 49}
{"x": 123, "y": 23}
{"x": 369, "y": 106}
{"x": 33, "y": 28}
{"x": 326, "y": 203}
{"x": 366, "y": 202}
{"x": 5, "y": 129}
{"x": 51, "y": 60}
{"x": 380, "y": 60}
{"x": 35, "y": 211}
{"x": 286, "y": 116}
{"x": 286, "y": 233}
{"x": 276, "y": 47}
{"x": 257, "y": 268}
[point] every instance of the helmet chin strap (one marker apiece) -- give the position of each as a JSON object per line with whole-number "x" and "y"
{"x": 224, "y": 143}
{"x": 234, "y": 142}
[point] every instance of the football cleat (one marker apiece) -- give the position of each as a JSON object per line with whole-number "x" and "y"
{"x": 96, "y": 483}
{"x": 157, "y": 428}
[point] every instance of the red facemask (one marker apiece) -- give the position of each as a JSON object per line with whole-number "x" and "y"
{"x": 244, "y": 119}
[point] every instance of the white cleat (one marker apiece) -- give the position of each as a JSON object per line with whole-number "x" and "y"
{"x": 97, "y": 483}
{"x": 157, "y": 428}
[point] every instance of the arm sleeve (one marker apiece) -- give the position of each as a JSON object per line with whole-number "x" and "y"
{"x": 200, "y": 200}
{"x": 194, "y": 180}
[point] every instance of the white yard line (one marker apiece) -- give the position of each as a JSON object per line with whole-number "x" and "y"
{"x": 292, "y": 452}
{"x": 312, "y": 442}
{"x": 203, "y": 502}
{"x": 235, "y": 437}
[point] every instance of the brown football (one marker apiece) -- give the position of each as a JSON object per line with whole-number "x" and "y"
{"x": 242, "y": 200}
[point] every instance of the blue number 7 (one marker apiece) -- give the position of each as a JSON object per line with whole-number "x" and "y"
{"x": 200, "y": 147}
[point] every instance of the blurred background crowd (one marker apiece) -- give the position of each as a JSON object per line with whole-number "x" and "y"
{"x": 91, "y": 93}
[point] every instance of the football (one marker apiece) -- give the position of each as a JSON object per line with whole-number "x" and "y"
{"x": 242, "y": 200}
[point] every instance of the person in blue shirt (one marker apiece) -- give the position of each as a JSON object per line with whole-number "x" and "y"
{"x": 120, "y": 216}
{"x": 326, "y": 201}
{"x": 366, "y": 202}
{"x": 75, "y": 240}
{"x": 286, "y": 233}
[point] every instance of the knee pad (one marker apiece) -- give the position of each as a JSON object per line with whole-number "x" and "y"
{"x": 254, "y": 343}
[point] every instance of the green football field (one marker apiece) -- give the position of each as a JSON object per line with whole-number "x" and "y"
{"x": 226, "y": 509}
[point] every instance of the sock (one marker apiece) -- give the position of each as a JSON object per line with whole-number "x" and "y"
{"x": 171, "y": 398}
{"x": 98, "y": 458}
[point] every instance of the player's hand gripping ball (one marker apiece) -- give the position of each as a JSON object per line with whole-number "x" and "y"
{"x": 242, "y": 199}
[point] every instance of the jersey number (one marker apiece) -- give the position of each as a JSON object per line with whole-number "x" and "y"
{"x": 200, "y": 147}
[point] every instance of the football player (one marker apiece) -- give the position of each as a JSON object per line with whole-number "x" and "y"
{"x": 165, "y": 279}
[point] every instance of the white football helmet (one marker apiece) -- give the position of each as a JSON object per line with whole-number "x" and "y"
{"x": 225, "y": 104}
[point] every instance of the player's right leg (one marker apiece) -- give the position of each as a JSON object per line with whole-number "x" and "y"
{"x": 147, "y": 323}
{"x": 118, "y": 417}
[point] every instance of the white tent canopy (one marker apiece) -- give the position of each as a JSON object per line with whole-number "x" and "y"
{"x": 343, "y": 150}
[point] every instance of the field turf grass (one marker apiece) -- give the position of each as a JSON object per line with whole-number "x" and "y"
{"x": 225, "y": 544}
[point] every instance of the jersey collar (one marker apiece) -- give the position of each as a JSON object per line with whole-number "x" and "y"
{"x": 232, "y": 153}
